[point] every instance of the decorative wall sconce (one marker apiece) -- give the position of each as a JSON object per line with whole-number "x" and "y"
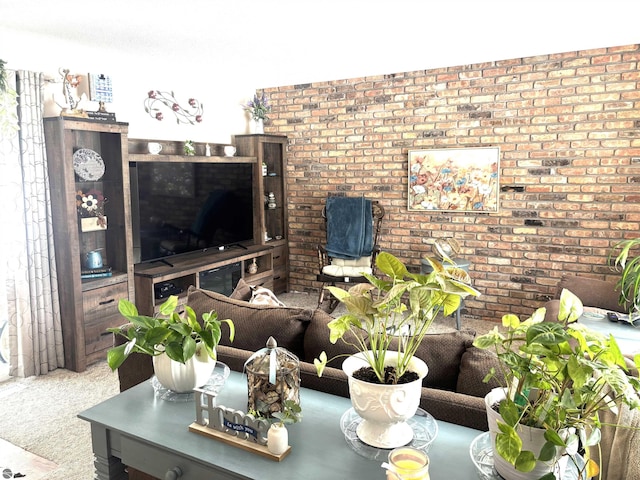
{"x": 156, "y": 100}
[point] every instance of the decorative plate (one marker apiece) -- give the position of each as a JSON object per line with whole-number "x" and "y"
{"x": 88, "y": 164}
{"x": 481, "y": 454}
{"x": 425, "y": 431}
{"x": 213, "y": 385}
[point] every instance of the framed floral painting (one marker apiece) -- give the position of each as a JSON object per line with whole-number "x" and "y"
{"x": 454, "y": 179}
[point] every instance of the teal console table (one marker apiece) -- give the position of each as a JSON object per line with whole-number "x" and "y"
{"x": 134, "y": 428}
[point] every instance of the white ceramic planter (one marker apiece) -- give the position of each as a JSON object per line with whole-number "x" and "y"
{"x": 384, "y": 409}
{"x": 532, "y": 440}
{"x": 277, "y": 439}
{"x": 183, "y": 377}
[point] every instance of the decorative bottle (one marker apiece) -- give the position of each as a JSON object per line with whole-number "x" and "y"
{"x": 271, "y": 201}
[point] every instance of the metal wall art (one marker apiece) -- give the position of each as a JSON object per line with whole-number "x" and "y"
{"x": 158, "y": 101}
{"x": 454, "y": 179}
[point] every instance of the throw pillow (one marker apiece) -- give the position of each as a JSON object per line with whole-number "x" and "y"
{"x": 475, "y": 365}
{"x": 242, "y": 291}
{"x": 254, "y": 324}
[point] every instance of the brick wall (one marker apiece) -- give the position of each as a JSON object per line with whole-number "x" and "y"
{"x": 567, "y": 126}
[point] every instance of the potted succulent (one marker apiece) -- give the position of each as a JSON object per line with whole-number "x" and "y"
{"x": 629, "y": 283}
{"x": 558, "y": 376}
{"x": 183, "y": 349}
{"x": 386, "y": 320}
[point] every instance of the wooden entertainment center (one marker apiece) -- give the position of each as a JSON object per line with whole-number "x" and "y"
{"x": 90, "y": 305}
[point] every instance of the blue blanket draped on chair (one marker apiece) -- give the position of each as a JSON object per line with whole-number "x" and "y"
{"x": 349, "y": 227}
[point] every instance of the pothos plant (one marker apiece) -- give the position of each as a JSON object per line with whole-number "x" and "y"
{"x": 629, "y": 267}
{"x": 395, "y": 312}
{"x": 558, "y": 376}
{"x": 179, "y": 336}
{"x": 291, "y": 413}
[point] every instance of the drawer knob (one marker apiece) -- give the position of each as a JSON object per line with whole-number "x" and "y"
{"x": 173, "y": 474}
{"x": 107, "y": 302}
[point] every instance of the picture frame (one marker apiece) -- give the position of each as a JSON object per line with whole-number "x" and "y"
{"x": 454, "y": 180}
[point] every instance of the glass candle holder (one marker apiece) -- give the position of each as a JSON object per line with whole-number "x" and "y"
{"x": 406, "y": 463}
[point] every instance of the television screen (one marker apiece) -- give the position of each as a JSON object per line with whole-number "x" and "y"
{"x": 185, "y": 207}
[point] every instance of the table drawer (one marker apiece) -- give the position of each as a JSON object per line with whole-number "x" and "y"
{"x": 157, "y": 461}
{"x": 101, "y": 312}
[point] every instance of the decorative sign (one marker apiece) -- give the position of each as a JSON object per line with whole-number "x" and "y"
{"x": 233, "y": 427}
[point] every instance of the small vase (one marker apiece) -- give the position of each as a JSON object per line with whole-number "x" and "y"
{"x": 258, "y": 126}
{"x": 277, "y": 439}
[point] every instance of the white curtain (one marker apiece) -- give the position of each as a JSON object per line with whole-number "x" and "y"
{"x": 30, "y": 300}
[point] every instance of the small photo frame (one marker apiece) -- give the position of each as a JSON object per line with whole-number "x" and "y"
{"x": 454, "y": 180}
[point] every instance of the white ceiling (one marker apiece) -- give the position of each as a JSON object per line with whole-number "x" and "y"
{"x": 284, "y": 42}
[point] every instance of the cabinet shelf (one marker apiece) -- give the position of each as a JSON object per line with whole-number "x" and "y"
{"x": 89, "y": 306}
{"x": 188, "y": 269}
{"x": 270, "y": 150}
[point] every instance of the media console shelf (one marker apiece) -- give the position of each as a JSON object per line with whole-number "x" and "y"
{"x": 189, "y": 269}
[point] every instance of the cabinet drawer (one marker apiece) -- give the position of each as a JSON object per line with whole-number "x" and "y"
{"x": 279, "y": 256}
{"x": 280, "y": 281}
{"x": 101, "y": 312}
{"x": 157, "y": 461}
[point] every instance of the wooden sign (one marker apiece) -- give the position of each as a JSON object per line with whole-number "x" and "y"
{"x": 232, "y": 427}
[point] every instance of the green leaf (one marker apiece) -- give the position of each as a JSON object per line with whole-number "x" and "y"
{"x": 169, "y": 306}
{"x": 320, "y": 363}
{"x": 510, "y": 321}
{"x": 547, "y": 452}
{"x": 553, "y": 437}
{"x": 127, "y": 309}
{"x": 525, "y": 462}
{"x": 390, "y": 265}
{"x": 188, "y": 348}
{"x": 510, "y": 412}
{"x": 116, "y": 356}
{"x": 508, "y": 443}
{"x": 570, "y": 307}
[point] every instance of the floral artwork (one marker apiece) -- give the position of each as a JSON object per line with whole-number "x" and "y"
{"x": 91, "y": 203}
{"x": 454, "y": 179}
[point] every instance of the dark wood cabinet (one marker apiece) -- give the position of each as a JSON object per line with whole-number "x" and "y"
{"x": 272, "y": 214}
{"x": 89, "y": 305}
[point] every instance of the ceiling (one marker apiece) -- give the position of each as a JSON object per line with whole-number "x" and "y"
{"x": 284, "y": 42}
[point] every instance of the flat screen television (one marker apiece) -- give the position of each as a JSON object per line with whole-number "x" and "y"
{"x": 181, "y": 207}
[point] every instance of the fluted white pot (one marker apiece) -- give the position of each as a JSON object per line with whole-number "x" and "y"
{"x": 384, "y": 409}
{"x": 184, "y": 377}
{"x": 532, "y": 440}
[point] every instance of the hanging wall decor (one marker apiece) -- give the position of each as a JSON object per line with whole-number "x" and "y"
{"x": 157, "y": 102}
{"x": 454, "y": 179}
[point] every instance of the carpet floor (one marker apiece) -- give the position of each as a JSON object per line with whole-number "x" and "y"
{"x": 39, "y": 414}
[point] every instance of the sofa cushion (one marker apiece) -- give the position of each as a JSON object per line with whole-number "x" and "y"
{"x": 316, "y": 340}
{"x": 593, "y": 292}
{"x": 442, "y": 352}
{"x": 254, "y": 324}
{"x": 474, "y": 366}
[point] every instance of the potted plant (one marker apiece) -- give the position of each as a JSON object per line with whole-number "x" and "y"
{"x": 258, "y": 108}
{"x": 171, "y": 337}
{"x": 629, "y": 283}
{"x": 277, "y": 436}
{"x": 386, "y": 320}
{"x": 557, "y": 377}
